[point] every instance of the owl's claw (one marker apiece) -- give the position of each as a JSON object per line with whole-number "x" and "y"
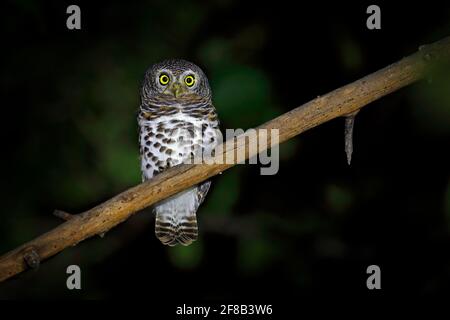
{"x": 349, "y": 123}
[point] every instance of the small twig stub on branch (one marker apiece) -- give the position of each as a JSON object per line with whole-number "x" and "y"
{"x": 32, "y": 258}
{"x": 63, "y": 215}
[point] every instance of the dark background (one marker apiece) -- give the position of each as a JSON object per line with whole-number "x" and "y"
{"x": 69, "y": 141}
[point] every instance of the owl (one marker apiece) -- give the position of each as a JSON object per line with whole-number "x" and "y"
{"x": 177, "y": 122}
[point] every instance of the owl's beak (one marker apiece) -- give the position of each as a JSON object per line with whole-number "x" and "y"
{"x": 177, "y": 89}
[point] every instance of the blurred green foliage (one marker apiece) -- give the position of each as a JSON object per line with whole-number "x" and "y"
{"x": 186, "y": 257}
{"x": 431, "y": 102}
{"x": 257, "y": 254}
{"x": 338, "y": 199}
{"x": 350, "y": 53}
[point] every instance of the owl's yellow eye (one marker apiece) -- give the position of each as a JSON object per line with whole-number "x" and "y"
{"x": 164, "y": 79}
{"x": 189, "y": 80}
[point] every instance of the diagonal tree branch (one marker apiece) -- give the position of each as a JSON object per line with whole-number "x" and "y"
{"x": 341, "y": 102}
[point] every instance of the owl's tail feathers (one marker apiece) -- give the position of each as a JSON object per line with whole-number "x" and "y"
{"x": 172, "y": 231}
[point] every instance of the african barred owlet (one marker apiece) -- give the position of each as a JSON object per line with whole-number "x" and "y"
{"x": 177, "y": 121}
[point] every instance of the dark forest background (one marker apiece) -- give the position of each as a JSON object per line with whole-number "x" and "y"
{"x": 69, "y": 141}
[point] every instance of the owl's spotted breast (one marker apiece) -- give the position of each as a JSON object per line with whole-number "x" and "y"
{"x": 170, "y": 139}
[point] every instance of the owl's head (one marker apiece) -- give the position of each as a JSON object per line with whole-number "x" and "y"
{"x": 175, "y": 79}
